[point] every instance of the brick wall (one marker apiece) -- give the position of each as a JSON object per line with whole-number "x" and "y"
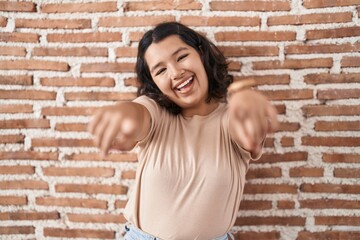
{"x": 61, "y": 61}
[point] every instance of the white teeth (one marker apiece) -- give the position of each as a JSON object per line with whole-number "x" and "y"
{"x": 184, "y": 84}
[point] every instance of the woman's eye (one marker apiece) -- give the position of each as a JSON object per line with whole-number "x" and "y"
{"x": 160, "y": 71}
{"x": 182, "y": 57}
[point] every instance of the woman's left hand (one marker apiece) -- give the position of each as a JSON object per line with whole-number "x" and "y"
{"x": 251, "y": 117}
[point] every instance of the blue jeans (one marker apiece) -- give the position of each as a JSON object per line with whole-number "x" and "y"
{"x": 133, "y": 233}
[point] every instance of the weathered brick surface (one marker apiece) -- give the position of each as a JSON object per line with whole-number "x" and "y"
{"x": 60, "y": 61}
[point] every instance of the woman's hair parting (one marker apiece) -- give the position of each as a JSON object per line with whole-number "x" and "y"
{"x": 214, "y": 62}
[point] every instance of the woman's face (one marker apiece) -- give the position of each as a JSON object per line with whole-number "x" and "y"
{"x": 179, "y": 73}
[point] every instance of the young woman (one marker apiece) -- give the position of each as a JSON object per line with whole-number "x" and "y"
{"x": 194, "y": 143}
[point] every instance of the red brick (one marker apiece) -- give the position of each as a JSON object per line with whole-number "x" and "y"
{"x": 79, "y": 7}
{"x": 321, "y": 48}
{"x": 91, "y": 188}
{"x": 325, "y": 78}
{"x": 19, "y": 37}
{"x": 350, "y": 62}
{"x": 257, "y": 235}
{"x": 269, "y": 142}
{"x": 33, "y": 65}
{"x": 284, "y": 157}
{"x": 246, "y": 51}
{"x": 71, "y": 202}
{"x": 234, "y": 66}
{"x": 346, "y": 173}
{"x": 133, "y": 21}
{"x": 306, "y": 172}
{"x": 32, "y": 216}
{"x": 107, "y": 67}
{"x": 13, "y": 51}
{"x": 287, "y": 142}
{"x": 9, "y": 6}
{"x": 330, "y": 188}
{"x": 79, "y": 172}
{"x": 332, "y": 110}
{"x": 28, "y": 155}
{"x": 315, "y": 18}
{"x": 337, "y": 220}
{"x": 85, "y": 37}
{"x": 120, "y": 204}
{"x": 68, "y": 111}
{"x": 24, "y": 123}
{"x": 329, "y": 204}
{"x": 289, "y": 126}
{"x": 16, "y": 80}
{"x": 28, "y": 170}
{"x": 285, "y": 204}
{"x": 95, "y": 96}
{"x": 220, "y": 21}
{"x": 136, "y": 36}
{"x": 61, "y": 142}
{"x": 71, "y": 127}
{"x": 24, "y": 184}
{"x": 16, "y": 108}
{"x": 3, "y": 22}
{"x": 118, "y": 157}
{"x": 96, "y": 218}
{"x": 73, "y": 52}
{"x": 326, "y": 3}
{"x": 326, "y": 235}
{"x": 261, "y": 6}
{"x": 331, "y": 141}
{"x": 12, "y": 138}
{"x": 332, "y": 33}
{"x": 278, "y": 221}
{"x": 131, "y": 82}
{"x": 255, "y": 36}
{"x": 78, "y": 82}
{"x": 330, "y": 94}
{"x": 9, "y": 230}
{"x": 274, "y": 172}
{"x": 78, "y": 233}
{"x": 293, "y": 94}
{"x": 53, "y": 23}
{"x": 269, "y": 188}
{"x": 126, "y": 52}
{"x": 266, "y": 79}
{"x": 27, "y": 94}
{"x": 255, "y": 205}
{"x": 337, "y": 126}
{"x": 130, "y": 174}
{"x": 13, "y": 200}
{"x": 294, "y": 64}
{"x": 340, "y": 158}
{"x": 162, "y": 5}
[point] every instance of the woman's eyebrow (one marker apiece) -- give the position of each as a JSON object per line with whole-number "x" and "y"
{"x": 174, "y": 53}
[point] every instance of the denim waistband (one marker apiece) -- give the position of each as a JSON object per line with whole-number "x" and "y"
{"x": 134, "y": 233}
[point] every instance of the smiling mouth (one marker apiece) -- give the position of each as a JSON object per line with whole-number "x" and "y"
{"x": 185, "y": 84}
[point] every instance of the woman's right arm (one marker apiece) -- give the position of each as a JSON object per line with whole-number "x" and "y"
{"x": 127, "y": 122}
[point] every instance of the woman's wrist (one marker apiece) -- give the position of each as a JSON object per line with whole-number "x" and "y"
{"x": 241, "y": 85}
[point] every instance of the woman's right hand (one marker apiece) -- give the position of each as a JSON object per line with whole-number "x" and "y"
{"x": 119, "y": 122}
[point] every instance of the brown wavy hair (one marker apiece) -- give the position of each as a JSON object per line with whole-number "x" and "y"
{"x": 214, "y": 62}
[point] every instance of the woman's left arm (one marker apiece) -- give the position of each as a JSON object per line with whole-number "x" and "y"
{"x": 251, "y": 117}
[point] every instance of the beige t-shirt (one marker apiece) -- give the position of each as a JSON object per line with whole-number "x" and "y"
{"x": 190, "y": 176}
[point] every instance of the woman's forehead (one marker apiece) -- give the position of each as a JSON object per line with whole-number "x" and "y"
{"x": 165, "y": 48}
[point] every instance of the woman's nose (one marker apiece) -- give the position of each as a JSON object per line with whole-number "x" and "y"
{"x": 177, "y": 73}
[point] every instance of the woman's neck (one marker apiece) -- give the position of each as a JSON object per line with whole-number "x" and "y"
{"x": 202, "y": 110}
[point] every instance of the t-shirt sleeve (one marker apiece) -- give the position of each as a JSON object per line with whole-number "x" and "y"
{"x": 155, "y": 116}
